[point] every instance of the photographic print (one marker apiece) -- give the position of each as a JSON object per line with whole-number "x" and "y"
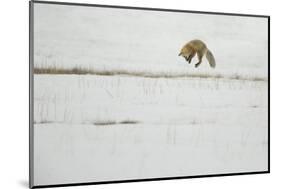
{"x": 128, "y": 94}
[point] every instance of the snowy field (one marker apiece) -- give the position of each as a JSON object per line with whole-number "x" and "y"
{"x": 102, "y": 128}
{"x": 91, "y": 128}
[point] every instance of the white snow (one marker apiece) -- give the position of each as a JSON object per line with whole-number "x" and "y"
{"x": 90, "y": 128}
{"x": 183, "y": 127}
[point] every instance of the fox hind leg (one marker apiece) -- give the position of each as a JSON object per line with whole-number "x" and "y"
{"x": 200, "y": 56}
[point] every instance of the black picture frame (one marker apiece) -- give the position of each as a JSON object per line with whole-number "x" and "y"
{"x": 31, "y": 92}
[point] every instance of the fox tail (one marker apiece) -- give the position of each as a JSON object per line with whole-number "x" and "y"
{"x": 210, "y": 58}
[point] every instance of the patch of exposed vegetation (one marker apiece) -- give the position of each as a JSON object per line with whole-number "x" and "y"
{"x": 85, "y": 71}
{"x": 108, "y": 122}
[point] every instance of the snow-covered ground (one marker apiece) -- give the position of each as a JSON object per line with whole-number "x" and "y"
{"x": 101, "y": 128}
{"x": 90, "y": 128}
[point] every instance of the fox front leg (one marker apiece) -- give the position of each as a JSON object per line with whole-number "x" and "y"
{"x": 190, "y": 57}
{"x": 192, "y": 54}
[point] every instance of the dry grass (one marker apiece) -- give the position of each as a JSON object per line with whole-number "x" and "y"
{"x": 128, "y": 122}
{"x": 97, "y": 123}
{"x": 101, "y": 123}
{"x": 109, "y": 122}
{"x": 43, "y": 122}
{"x": 84, "y": 71}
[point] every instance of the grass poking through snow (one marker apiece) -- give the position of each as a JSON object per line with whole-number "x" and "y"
{"x": 103, "y": 123}
{"x": 140, "y": 73}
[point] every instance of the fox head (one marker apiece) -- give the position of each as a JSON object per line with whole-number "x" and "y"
{"x": 185, "y": 51}
{"x": 184, "y": 55}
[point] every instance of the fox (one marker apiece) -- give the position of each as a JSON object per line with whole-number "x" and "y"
{"x": 189, "y": 50}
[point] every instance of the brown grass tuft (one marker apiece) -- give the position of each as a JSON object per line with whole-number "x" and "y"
{"x": 108, "y": 122}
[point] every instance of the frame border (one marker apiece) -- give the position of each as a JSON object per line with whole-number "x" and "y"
{"x": 146, "y": 8}
{"x": 31, "y": 93}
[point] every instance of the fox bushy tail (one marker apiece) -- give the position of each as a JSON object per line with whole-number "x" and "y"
{"x": 211, "y": 59}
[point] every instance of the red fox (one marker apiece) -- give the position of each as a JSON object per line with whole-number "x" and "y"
{"x": 197, "y": 46}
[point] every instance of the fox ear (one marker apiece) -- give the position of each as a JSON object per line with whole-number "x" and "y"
{"x": 180, "y": 53}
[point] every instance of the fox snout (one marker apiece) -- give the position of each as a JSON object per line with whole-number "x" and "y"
{"x": 180, "y": 54}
